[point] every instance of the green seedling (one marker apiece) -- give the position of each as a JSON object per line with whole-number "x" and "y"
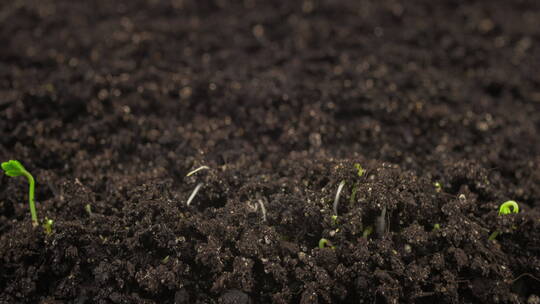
{"x": 503, "y": 210}
{"x": 438, "y": 186}
{"x": 14, "y": 168}
{"x": 334, "y": 220}
{"x": 505, "y": 207}
{"x": 88, "y": 209}
{"x": 323, "y": 243}
{"x": 367, "y": 231}
{"x": 360, "y": 170}
{"x": 48, "y": 226}
{"x": 353, "y": 194}
{"x": 436, "y": 227}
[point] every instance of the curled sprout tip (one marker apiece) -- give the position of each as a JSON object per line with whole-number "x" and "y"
{"x": 336, "y": 200}
{"x": 505, "y": 207}
{"x": 192, "y": 196}
{"x": 197, "y": 170}
{"x": 325, "y": 243}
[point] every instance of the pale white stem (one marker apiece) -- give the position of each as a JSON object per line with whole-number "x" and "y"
{"x": 197, "y": 170}
{"x": 380, "y": 223}
{"x": 338, "y": 193}
{"x": 192, "y": 196}
{"x": 263, "y": 210}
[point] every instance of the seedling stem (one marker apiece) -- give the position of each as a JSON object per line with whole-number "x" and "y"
{"x": 14, "y": 168}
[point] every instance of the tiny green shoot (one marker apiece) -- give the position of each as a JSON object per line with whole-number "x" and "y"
{"x": 48, "y": 226}
{"x": 505, "y": 207}
{"x": 353, "y": 194}
{"x": 325, "y": 243}
{"x": 367, "y": 231}
{"x": 88, "y": 209}
{"x": 436, "y": 227}
{"x": 360, "y": 170}
{"x": 438, "y": 186}
{"x": 503, "y": 210}
{"x": 14, "y": 168}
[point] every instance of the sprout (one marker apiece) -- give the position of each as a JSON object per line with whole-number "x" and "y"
{"x": 334, "y": 219}
{"x": 88, "y": 209}
{"x": 505, "y": 207}
{"x": 254, "y": 207}
{"x": 192, "y": 196}
{"x": 503, "y": 210}
{"x": 48, "y": 225}
{"x": 361, "y": 170}
{"x": 381, "y": 223}
{"x": 367, "y": 231}
{"x": 353, "y": 194}
{"x": 197, "y": 170}
{"x": 263, "y": 210}
{"x": 14, "y": 168}
{"x": 336, "y": 200}
{"x": 325, "y": 243}
{"x": 436, "y": 227}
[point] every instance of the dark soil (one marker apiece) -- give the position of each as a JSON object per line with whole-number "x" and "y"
{"x": 111, "y": 103}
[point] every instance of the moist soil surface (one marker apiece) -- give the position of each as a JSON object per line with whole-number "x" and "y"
{"x": 428, "y": 111}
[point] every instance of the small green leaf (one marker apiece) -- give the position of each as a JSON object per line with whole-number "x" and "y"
{"x": 360, "y": 170}
{"x": 13, "y": 168}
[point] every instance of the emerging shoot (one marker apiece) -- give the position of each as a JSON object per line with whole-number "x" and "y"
{"x": 334, "y": 220}
{"x": 352, "y": 200}
{"x": 380, "y": 223}
{"x": 325, "y": 243}
{"x": 14, "y": 168}
{"x": 88, "y": 209}
{"x": 197, "y": 170}
{"x": 367, "y": 231}
{"x": 336, "y": 200}
{"x": 503, "y": 210}
{"x": 263, "y": 210}
{"x": 48, "y": 225}
{"x": 505, "y": 207}
{"x": 195, "y": 191}
{"x": 360, "y": 170}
